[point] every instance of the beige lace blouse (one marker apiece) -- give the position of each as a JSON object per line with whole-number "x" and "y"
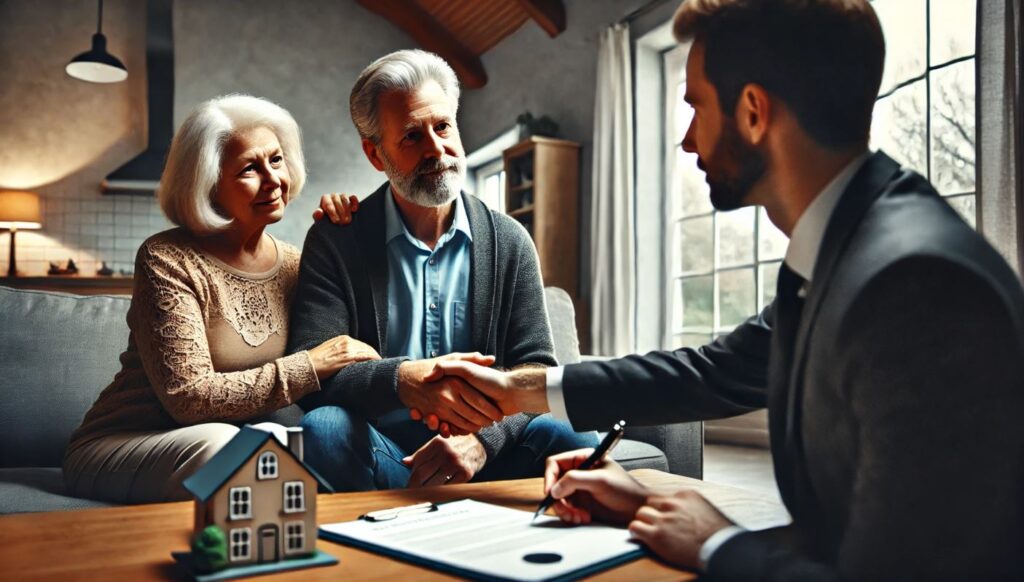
{"x": 206, "y": 343}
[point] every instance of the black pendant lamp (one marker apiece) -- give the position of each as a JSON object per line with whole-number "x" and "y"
{"x": 97, "y": 65}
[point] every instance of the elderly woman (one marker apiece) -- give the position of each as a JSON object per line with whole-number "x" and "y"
{"x": 209, "y": 314}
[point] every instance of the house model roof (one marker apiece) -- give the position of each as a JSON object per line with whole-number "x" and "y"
{"x": 208, "y": 479}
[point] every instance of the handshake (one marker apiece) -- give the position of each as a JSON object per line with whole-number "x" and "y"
{"x": 458, "y": 394}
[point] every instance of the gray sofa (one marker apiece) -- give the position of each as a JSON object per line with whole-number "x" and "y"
{"x": 57, "y": 351}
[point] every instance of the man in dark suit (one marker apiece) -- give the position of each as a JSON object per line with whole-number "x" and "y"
{"x": 891, "y": 361}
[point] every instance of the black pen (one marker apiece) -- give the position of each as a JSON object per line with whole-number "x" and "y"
{"x": 610, "y": 440}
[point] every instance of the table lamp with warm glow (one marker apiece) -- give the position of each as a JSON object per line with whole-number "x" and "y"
{"x": 18, "y": 209}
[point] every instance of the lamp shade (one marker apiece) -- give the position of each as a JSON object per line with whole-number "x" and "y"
{"x": 20, "y": 209}
{"x": 97, "y": 65}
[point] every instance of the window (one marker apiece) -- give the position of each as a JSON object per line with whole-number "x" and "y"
{"x": 294, "y": 537}
{"x": 486, "y": 177}
{"x": 240, "y": 543}
{"x": 266, "y": 466}
{"x": 925, "y": 114}
{"x": 720, "y": 268}
{"x": 490, "y": 185}
{"x": 241, "y": 503}
{"x": 294, "y": 499}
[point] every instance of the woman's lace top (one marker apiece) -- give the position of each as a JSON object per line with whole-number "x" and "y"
{"x": 206, "y": 343}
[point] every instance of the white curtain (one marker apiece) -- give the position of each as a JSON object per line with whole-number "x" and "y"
{"x": 1000, "y": 115}
{"x": 613, "y": 284}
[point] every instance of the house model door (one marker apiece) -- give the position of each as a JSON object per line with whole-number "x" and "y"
{"x": 268, "y": 543}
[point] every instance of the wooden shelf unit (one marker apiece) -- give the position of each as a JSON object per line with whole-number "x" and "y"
{"x": 542, "y": 193}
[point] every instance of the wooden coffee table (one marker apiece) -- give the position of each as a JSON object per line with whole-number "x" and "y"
{"x": 135, "y": 542}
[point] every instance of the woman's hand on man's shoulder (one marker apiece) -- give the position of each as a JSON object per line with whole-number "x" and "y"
{"x": 337, "y": 207}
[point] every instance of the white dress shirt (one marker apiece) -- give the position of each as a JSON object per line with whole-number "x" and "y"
{"x": 801, "y": 255}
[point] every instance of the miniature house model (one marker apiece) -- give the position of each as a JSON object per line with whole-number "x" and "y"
{"x": 261, "y": 495}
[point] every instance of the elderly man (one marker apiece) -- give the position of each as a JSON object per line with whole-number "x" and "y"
{"x": 425, "y": 272}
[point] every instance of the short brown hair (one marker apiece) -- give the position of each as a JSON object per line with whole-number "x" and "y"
{"x": 822, "y": 58}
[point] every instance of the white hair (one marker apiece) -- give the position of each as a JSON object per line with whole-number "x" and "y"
{"x": 189, "y": 182}
{"x": 405, "y": 71}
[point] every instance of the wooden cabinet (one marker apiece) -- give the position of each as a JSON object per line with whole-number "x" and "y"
{"x": 542, "y": 193}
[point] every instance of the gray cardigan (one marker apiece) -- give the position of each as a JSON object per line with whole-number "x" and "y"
{"x": 342, "y": 289}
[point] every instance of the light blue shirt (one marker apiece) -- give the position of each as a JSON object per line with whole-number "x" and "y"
{"x": 428, "y": 290}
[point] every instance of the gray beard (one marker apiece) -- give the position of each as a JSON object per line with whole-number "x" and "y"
{"x": 428, "y": 191}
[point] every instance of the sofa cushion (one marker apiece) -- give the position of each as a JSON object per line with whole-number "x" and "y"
{"x": 37, "y": 489}
{"x": 57, "y": 352}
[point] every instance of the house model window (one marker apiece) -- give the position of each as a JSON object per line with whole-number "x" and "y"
{"x": 241, "y": 544}
{"x": 294, "y": 500}
{"x": 266, "y": 468}
{"x": 294, "y": 537}
{"x": 241, "y": 503}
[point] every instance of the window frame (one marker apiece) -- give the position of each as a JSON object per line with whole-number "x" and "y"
{"x": 245, "y": 543}
{"x": 290, "y": 535}
{"x": 301, "y": 496}
{"x": 274, "y": 464}
{"x": 247, "y": 504}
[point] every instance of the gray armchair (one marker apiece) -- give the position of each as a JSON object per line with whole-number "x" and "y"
{"x": 676, "y": 448}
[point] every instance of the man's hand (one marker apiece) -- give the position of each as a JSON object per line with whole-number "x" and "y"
{"x": 444, "y": 461}
{"x": 521, "y": 390}
{"x": 451, "y": 399}
{"x": 676, "y": 527}
{"x": 608, "y": 494}
{"x": 338, "y": 207}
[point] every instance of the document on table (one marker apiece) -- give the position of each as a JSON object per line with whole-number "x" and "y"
{"x": 480, "y": 540}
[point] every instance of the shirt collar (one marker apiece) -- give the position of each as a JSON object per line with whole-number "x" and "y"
{"x": 394, "y": 226}
{"x": 804, "y": 244}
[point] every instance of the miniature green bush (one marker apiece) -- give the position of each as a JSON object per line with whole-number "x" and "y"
{"x": 210, "y": 549}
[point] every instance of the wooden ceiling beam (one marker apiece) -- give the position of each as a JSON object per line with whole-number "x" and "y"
{"x": 549, "y": 14}
{"x": 425, "y": 30}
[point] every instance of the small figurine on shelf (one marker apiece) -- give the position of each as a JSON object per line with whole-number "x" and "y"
{"x": 255, "y": 509}
{"x": 69, "y": 269}
{"x": 104, "y": 270}
{"x": 529, "y": 125}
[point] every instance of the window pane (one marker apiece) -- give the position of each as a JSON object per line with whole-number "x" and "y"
{"x": 698, "y": 302}
{"x": 736, "y": 295}
{"x": 898, "y": 126}
{"x": 677, "y": 305}
{"x": 965, "y": 205}
{"x": 953, "y": 134}
{"x": 691, "y": 340}
{"x": 769, "y": 281}
{"x": 689, "y": 186}
{"x": 953, "y": 23}
{"x": 772, "y": 243}
{"x": 735, "y": 237}
{"x": 904, "y": 27}
{"x": 695, "y": 245}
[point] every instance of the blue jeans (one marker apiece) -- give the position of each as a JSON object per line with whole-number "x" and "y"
{"x": 352, "y": 455}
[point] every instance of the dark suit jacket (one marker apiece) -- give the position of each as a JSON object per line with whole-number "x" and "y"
{"x": 896, "y": 427}
{"x": 343, "y": 289}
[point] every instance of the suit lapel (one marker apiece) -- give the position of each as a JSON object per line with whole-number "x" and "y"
{"x": 371, "y": 223}
{"x": 483, "y": 272}
{"x": 866, "y": 187}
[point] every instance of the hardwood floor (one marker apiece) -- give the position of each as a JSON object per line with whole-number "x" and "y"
{"x": 743, "y": 467}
